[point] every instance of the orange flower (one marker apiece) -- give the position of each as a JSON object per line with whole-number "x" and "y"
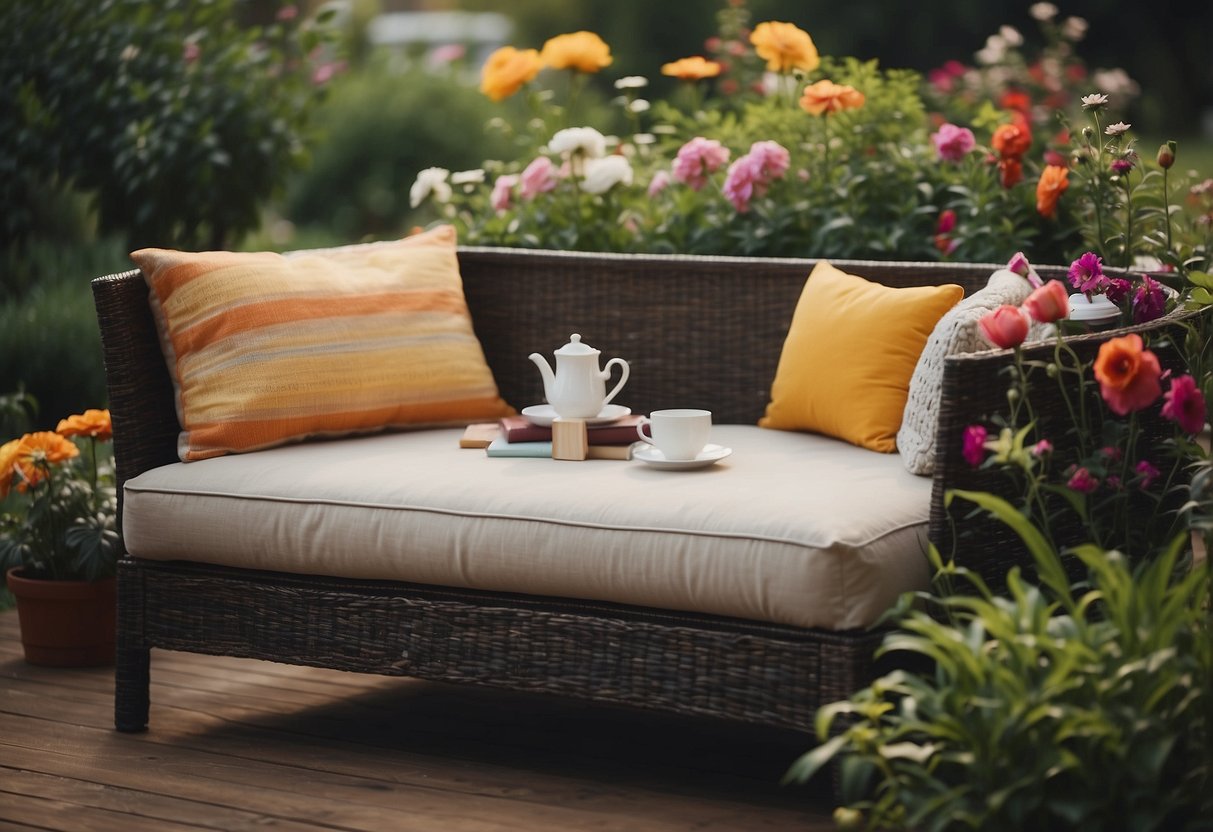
{"x": 1010, "y": 172}
{"x": 8, "y": 460}
{"x": 507, "y": 69}
{"x": 94, "y": 423}
{"x": 1127, "y": 374}
{"x": 582, "y": 51}
{"x": 1011, "y": 141}
{"x": 828, "y": 97}
{"x": 785, "y": 46}
{"x": 691, "y": 69}
{"x": 1053, "y": 183}
{"x": 36, "y": 451}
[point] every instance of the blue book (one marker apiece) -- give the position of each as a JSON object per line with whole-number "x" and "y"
{"x": 500, "y": 447}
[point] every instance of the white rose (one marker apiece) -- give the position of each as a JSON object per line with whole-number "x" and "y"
{"x": 603, "y": 174}
{"x": 468, "y": 177}
{"x": 430, "y": 181}
{"x": 579, "y": 141}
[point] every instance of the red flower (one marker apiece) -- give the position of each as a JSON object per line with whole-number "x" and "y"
{"x": 1184, "y": 405}
{"x": 1011, "y": 141}
{"x": 1128, "y": 374}
{"x": 1010, "y": 172}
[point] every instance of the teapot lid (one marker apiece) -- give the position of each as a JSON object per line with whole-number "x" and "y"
{"x": 575, "y": 347}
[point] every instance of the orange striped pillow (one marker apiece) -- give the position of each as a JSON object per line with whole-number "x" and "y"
{"x": 266, "y": 349}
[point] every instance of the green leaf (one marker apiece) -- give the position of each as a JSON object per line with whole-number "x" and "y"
{"x": 811, "y": 762}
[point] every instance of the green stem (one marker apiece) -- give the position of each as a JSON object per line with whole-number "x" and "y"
{"x": 1166, "y": 209}
{"x": 1128, "y": 224}
{"x": 1098, "y": 174}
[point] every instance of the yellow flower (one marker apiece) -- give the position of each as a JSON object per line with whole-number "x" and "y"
{"x": 691, "y": 69}
{"x": 828, "y": 97}
{"x": 785, "y": 47}
{"x": 94, "y": 423}
{"x": 582, "y": 51}
{"x": 507, "y": 69}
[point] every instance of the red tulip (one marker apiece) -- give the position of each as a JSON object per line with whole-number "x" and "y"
{"x": 1005, "y": 327}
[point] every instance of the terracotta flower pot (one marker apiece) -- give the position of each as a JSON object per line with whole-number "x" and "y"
{"x": 65, "y": 623}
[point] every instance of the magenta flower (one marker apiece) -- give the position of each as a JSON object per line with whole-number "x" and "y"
{"x": 1086, "y": 274}
{"x": 503, "y": 190}
{"x": 1184, "y": 405}
{"x": 946, "y": 221}
{"x": 975, "y": 444}
{"x": 1082, "y": 481}
{"x": 1117, "y": 289}
{"x": 1147, "y": 472}
{"x": 953, "y": 143}
{"x": 1019, "y": 264}
{"x": 537, "y": 178}
{"x": 1122, "y": 166}
{"x": 659, "y": 182}
{"x": 1149, "y": 301}
{"x": 696, "y": 159}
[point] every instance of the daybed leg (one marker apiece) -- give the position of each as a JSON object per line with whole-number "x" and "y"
{"x": 133, "y": 658}
{"x": 131, "y": 679}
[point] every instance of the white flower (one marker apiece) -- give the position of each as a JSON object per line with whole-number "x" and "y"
{"x": 580, "y": 141}
{"x": 430, "y": 181}
{"x": 631, "y": 82}
{"x": 1115, "y": 81}
{"x": 1094, "y": 101}
{"x": 993, "y": 52}
{"x": 603, "y": 174}
{"x": 1117, "y": 129}
{"x": 1042, "y": 11}
{"x": 468, "y": 177}
{"x": 1010, "y": 36}
{"x": 644, "y": 138}
{"x": 640, "y": 105}
{"x": 1074, "y": 28}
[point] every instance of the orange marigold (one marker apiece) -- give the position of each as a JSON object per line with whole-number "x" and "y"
{"x": 1053, "y": 183}
{"x": 507, "y": 69}
{"x": 828, "y": 97}
{"x": 582, "y": 51}
{"x": 785, "y": 46}
{"x": 94, "y": 423}
{"x": 1011, "y": 141}
{"x": 8, "y": 461}
{"x": 36, "y": 451}
{"x": 692, "y": 69}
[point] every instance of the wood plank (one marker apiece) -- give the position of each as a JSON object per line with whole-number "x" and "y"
{"x": 237, "y": 743}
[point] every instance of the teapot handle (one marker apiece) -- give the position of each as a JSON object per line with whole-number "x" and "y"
{"x": 606, "y": 373}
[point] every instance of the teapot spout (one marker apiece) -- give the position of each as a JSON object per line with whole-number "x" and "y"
{"x": 545, "y": 370}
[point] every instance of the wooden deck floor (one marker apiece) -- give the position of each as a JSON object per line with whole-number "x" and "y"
{"x": 237, "y": 744}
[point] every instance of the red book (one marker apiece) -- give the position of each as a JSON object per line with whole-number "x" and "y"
{"x": 622, "y": 431}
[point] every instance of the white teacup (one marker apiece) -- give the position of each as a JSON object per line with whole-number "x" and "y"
{"x": 678, "y": 434}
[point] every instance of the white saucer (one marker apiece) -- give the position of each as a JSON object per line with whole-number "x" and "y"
{"x": 543, "y": 414}
{"x": 710, "y": 455}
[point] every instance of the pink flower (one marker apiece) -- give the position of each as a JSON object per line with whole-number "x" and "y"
{"x": 1184, "y": 405}
{"x": 696, "y": 159}
{"x": 659, "y": 182}
{"x": 1117, "y": 289}
{"x": 1122, "y": 166}
{"x": 1042, "y": 448}
{"x": 503, "y": 189}
{"x": 1049, "y": 303}
{"x": 1019, "y": 264}
{"x": 740, "y": 183}
{"x": 324, "y": 73}
{"x": 1147, "y": 472}
{"x": 1086, "y": 274}
{"x": 1005, "y": 327}
{"x": 771, "y": 158}
{"x": 287, "y": 13}
{"x": 1082, "y": 481}
{"x": 953, "y": 143}
{"x": 946, "y": 221}
{"x": 538, "y": 177}
{"x": 975, "y": 444}
{"x": 1149, "y": 301}
{"x": 191, "y": 52}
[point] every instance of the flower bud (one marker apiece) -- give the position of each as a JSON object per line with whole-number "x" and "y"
{"x": 1088, "y": 133}
{"x": 1166, "y": 155}
{"x": 1012, "y": 395}
{"x": 1052, "y": 370}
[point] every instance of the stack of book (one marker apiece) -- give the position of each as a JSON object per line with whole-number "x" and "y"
{"x": 515, "y": 436}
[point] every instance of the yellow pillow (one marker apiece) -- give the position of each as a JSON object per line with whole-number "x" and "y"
{"x": 850, "y": 351}
{"x": 266, "y": 349}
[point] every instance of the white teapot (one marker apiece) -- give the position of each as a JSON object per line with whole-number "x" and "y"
{"x": 576, "y": 390}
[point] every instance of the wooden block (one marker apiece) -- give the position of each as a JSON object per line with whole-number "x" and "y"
{"x": 569, "y": 439}
{"x": 479, "y": 435}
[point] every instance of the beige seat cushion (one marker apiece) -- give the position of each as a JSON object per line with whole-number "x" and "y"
{"x": 792, "y": 528}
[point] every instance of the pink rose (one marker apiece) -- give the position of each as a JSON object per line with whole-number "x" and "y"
{"x": 539, "y": 177}
{"x": 659, "y": 182}
{"x": 771, "y": 158}
{"x": 740, "y": 183}
{"x": 1005, "y": 327}
{"x": 953, "y": 143}
{"x": 503, "y": 189}
{"x": 1049, "y": 303}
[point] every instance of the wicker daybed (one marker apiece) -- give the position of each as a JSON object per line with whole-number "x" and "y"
{"x": 699, "y": 332}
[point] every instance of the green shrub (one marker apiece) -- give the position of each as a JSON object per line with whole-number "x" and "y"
{"x": 378, "y": 129}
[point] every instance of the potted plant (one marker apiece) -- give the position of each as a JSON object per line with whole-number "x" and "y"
{"x": 58, "y": 541}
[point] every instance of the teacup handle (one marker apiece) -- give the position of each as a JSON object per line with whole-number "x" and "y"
{"x": 623, "y": 377}
{"x": 640, "y": 430}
